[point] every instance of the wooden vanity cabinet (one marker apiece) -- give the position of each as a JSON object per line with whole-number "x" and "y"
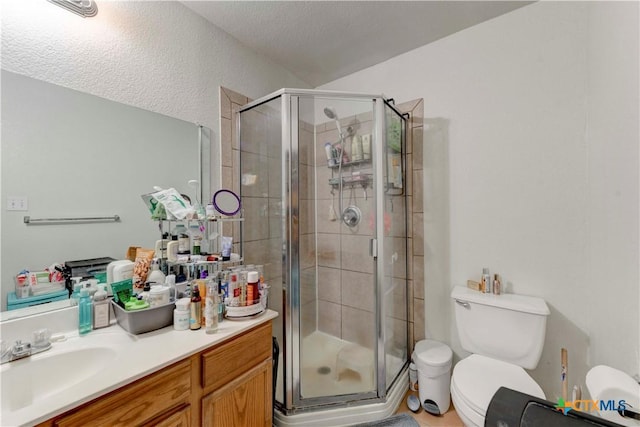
{"x": 228, "y": 385}
{"x": 236, "y": 381}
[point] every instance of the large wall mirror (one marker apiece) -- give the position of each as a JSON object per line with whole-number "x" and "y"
{"x": 70, "y": 154}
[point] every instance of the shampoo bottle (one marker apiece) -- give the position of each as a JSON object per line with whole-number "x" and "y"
{"x": 356, "y": 148}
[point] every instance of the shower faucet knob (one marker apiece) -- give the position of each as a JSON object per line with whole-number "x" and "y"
{"x": 351, "y": 216}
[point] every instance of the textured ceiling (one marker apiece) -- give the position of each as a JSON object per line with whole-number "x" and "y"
{"x": 320, "y": 41}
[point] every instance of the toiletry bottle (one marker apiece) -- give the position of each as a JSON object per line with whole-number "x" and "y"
{"x": 366, "y": 147}
{"x": 202, "y": 290}
{"x": 342, "y": 153}
{"x": 253, "y": 279}
{"x": 496, "y": 284}
{"x": 183, "y": 239}
{"x": 196, "y": 239}
{"x": 356, "y": 148}
{"x": 172, "y": 249}
{"x": 156, "y": 275}
{"x": 181, "y": 314}
{"x": 260, "y": 270}
{"x": 85, "y": 312}
{"x": 486, "y": 281}
{"x": 161, "y": 246}
{"x": 144, "y": 295}
{"x": 331, "y": 161}
{"x": 221, "y": 307}
{"x": 211, "y": 309}
{"x": 170, "y": 281}
{"x": 75, "y": 296}
{"x": 224, "y": 286}
{"x": 243, "y": 288}
{"x": 234, "y": 290}
{"x": 196, "y": 314}
{"x": 101, "y": 309}
{"x": 92, "y": 286}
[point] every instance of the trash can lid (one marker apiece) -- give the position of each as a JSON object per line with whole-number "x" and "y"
{"x": 432, "y": 353}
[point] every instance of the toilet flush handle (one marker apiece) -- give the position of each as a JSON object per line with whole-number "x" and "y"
{"x": 463, "y": 303}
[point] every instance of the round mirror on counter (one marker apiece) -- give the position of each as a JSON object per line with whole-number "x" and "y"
{"x": 226, "y": 202}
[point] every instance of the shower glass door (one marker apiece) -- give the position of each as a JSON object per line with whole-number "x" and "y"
{"x": 337, "y": 314}
{"x": 394, "y": 253}
{"x": 323, "y": 194}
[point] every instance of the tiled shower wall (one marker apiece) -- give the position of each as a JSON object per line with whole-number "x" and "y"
{"x": 344, "y": 295}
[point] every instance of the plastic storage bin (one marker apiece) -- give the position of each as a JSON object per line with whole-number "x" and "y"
{"x": 145, "y": 320}
{"x": 13, "y": 302}
{"x": 433, "y": 360}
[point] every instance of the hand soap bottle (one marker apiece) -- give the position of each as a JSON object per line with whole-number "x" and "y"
{"x": 85, "y": 312}
{"x": 101, "y": 309}
{"x": 156, "y": 275}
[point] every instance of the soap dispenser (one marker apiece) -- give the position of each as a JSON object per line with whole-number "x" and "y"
{"x": 156, "y": 275}
{"x": 101, "y": 309}
{"x": 85, "y": 312}
{"x": 75, "y": 296}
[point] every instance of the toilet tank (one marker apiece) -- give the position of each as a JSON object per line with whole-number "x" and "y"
{"x": 506, "y": 327}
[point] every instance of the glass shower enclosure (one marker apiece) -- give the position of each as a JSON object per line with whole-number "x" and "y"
{"x": 323, "y": 191}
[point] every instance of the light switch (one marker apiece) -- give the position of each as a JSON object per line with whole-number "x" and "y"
{"x": 17, "y": 203}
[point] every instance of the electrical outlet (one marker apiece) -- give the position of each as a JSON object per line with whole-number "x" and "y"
{"x": 19, "y": 203}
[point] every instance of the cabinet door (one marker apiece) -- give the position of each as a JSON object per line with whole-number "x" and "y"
{"x": 244, "y": 402}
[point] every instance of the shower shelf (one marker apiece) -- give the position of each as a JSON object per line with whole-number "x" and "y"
{"x": 351, "y": 163}
{"x": 353, "y": 180}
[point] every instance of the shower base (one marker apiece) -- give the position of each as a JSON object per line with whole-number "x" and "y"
{"x": 321, "y": 378}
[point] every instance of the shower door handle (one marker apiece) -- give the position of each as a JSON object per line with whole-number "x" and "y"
{"x": 373, "y": 248}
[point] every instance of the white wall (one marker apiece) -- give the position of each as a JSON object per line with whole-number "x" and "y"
{"x": 533, "y": 121}
{"x": 156, "y": 55}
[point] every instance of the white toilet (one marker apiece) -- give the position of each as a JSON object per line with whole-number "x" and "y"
{"x": 505, "y": 333}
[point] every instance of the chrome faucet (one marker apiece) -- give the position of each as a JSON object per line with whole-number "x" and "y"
{"x": 20, "y": 350}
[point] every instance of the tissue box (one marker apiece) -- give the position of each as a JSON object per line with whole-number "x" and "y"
{"x": 145, "y": 320}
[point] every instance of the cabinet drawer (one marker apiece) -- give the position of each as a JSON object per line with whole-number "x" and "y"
{"x": 233, "y": 358}
{"x": 137, "y": 402}
{"x": 179, "y": 418}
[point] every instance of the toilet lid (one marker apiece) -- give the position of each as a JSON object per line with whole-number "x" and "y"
{"x": 477, "y": 378}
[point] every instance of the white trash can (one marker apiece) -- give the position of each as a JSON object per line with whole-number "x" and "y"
{"x": 433, "y": 360}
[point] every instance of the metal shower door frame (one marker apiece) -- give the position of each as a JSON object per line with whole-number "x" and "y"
{"x": 291, "y": 347}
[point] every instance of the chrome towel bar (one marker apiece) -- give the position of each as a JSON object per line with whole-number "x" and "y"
{"x": 29, "y": 220}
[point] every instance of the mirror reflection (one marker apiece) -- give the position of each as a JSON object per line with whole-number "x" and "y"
{"x": 67, "y": 154}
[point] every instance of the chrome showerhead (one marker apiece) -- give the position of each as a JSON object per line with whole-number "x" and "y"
{"x": 331, "y": 113}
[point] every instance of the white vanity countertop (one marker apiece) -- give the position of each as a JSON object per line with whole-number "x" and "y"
{"x": 128, "y": 358}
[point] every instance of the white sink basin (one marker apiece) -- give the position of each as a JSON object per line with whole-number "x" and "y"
{"x": 609, "y": 385}
{"x": 33, "y": 379}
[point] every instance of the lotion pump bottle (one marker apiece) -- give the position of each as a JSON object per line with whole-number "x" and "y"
{"x": 101, "y": 309}
{"x": 156, "y": 275}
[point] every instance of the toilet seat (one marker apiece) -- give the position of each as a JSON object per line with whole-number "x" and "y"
{"x": 476, "y": 379}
